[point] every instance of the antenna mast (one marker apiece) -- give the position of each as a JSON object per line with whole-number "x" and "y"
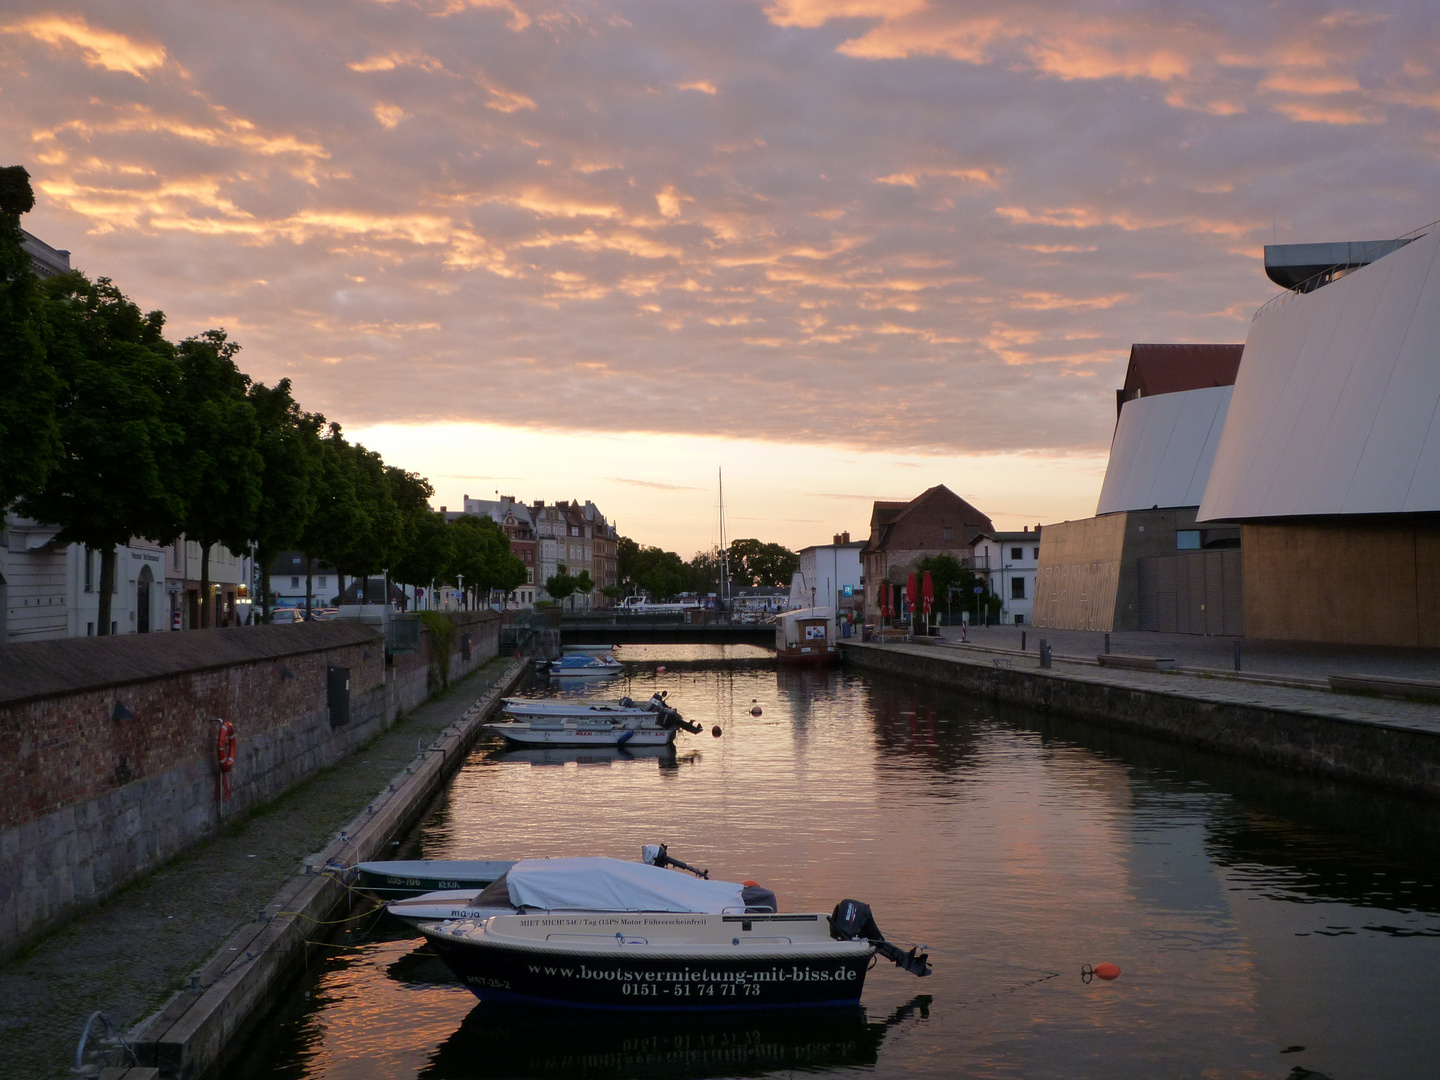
{"x": 723, "y": 586}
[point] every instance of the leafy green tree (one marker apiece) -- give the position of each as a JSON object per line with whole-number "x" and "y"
{"x": 116, "y": 418}
{"x": 411, "y": 494}
{"x": 338, "y": 514}
{"x": 482, "y": 555}
{"x": 584, "y": 585}
{"x": 947, "y": 574}
{"x": 288, "y": 445}
{"x": 756, "y": 563}
{"x": 561, "y": 585}
{"x": 429, "y": 554}
{"x": 30, "y": 444}
{"x": 364, "y": 552}
{"x": 221, "y": 465}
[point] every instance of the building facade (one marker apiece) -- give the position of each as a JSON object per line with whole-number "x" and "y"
{"x": 1008, "y": 561}
{"x": 935, "y": 522}
{"x": 830, "y": 575}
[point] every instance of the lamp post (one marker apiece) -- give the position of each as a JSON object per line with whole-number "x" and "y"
{"x": 461, "y": 586}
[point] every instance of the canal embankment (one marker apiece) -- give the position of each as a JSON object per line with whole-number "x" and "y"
{"x": 1291, "y": 722}
{"x": 148, "y": 956}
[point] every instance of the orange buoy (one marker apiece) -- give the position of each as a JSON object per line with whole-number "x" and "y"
{"x": 715, "y": 731}
{"x": 1107, "y": 971}
{"x": 750, "y": 884}
{"x": 660, "y": 670}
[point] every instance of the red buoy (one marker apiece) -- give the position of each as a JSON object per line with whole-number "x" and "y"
{"x": 715, "y": 731}
{"x": 660, "y": 670}
{"x": 1107, "y": 971}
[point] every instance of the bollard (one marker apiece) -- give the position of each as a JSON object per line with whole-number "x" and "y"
{"x": 1107, "y": 643}
{"x": 1044, "y": 653}
{"x": 1237, "y": 656}
{"x": 1022, "y": 640}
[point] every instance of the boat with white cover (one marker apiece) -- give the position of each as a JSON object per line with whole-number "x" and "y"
{"x": 603, "y": 933}
{"x": 580, "y": 725}
{"x": 624, "y": 708}
{"x": 583, "y": 665}
{"x": 412, "y": 877}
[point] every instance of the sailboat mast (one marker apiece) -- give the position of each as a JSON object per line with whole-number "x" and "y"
{"x": 723, "y": 585}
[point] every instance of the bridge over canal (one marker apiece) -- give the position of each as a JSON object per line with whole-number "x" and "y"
{"x": 612, "y": 631}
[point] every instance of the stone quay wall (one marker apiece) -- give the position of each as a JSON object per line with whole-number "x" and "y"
{"x": 1405, "y": 759}
{"x": 108, "y": 745}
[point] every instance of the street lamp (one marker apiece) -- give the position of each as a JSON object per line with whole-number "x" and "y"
{"x": 461, "y": 579}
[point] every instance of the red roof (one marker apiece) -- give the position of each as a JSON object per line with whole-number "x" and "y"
{"x": 1169, "y": 369}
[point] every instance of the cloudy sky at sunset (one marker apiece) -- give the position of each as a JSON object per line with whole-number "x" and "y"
{"x": 843, "y": 248}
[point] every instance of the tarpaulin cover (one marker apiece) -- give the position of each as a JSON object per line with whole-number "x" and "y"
{"x": 594, "y": 883}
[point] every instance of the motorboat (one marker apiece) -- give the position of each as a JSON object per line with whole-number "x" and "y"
{"x": 583, "y": 665}
{"x": 497, "y": 897}
{"x": 588, "y": 649}
{"x": 623, "y": 709}
{"x": 562, "y": 724}
{"x": 413, "y": 877}
{"x": 542, "y": 755}
{"x": 603, "y": 933}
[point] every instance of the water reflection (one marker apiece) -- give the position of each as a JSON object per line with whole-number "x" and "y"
{"x": 498, "y": 1041}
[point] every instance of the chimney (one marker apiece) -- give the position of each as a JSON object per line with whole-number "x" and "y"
{"x": 1025, "y": 529}
{"x": 836, "y": 541}
{"x": 465, "y": 498}
{"x": 844, "y": 538}
{"x": 442, "y": 509}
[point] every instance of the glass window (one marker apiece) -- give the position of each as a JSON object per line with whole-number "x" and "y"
{"x": 1017, "y": 553}
{"x": 1017, "y": 588}
{"x": 1187, "y": 540}
{"x": 1019, "y": 619}
{"x": 294, "y": 582}
{"x": 1037, "y": 554}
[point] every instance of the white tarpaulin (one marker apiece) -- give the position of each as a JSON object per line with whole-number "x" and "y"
{"x": 594, "y": 883}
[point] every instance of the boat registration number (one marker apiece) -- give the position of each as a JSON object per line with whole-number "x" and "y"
{"x": 698, "y": 991}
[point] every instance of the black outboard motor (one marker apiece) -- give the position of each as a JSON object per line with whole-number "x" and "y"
{"x": 852, "y": 921}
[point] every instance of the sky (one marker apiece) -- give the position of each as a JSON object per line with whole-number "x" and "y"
{"x": 842, "y": 249}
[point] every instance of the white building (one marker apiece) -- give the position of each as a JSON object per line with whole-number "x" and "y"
{"x": 829, "y": 575}
{"x": 1008, "y": 561}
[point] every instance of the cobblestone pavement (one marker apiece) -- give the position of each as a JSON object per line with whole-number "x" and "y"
{"x": 127, "y": 956}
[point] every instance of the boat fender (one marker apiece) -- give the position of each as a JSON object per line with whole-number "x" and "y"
{"x": 225, "y": 750}
{"x": 629, "y": 734}
{"x": 1106, "y": 971}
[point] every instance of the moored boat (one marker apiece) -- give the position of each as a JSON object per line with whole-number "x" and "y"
{"x": 584, "y": 665}
{"x": 411, "y": 877}
{"x": 601, "y": 933}
{"x": 807, "y": 636}
{"x": 624, "y": 708}
{"x": 559, "y": 723}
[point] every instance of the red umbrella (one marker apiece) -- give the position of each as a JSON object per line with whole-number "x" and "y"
{"x": 927, "y": 591}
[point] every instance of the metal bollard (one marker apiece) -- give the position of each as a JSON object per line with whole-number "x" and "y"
{"x": 1237, "y": 656}
{"x": 1107, "y": 643}
{"x": 1044, "y": 653}
{"x": 1022, "y": 640}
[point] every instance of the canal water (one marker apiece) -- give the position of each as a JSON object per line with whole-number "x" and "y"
{"x": 1266, "y": 925}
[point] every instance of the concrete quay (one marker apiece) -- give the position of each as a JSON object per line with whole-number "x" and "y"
{"x": 1286, "y": 716}
{"x": 153, "y": 946}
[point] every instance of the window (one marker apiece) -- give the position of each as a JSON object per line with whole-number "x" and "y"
{"x": 1017, "y": 553}
{"x": 947, "y": 533}
{"x": 1017, "y": 588}
{"x": 1037, "y": 554}
{"x": 322, "y": 581}
{"x": 89, "y": 572}
{"x": 1019, "y": 620}
{"x": 294, "y": 582}
{"x": 294, "y": 560}
{"x": 1187, "y": 540}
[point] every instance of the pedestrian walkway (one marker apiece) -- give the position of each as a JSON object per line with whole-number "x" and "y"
{"x": 130, "y": 954}
{"x": 1201, "y": 676}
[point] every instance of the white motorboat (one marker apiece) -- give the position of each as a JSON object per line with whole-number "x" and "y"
{"x": 584, "y": 665}
{"x": 623, "y": 709}
{"x": 602, "y": 933}
{"x": 559, "y": 723}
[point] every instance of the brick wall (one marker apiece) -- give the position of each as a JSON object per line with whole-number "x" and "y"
{"x": 88, "y": 802}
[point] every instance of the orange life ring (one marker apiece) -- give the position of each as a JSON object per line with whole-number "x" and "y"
{"x": 226, "y": 746}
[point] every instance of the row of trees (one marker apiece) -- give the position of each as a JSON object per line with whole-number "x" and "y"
{"x": 663, "y": 574}
{"x": 110, "y": 431}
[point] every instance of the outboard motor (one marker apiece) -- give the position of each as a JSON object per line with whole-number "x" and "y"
{"x": 657, "y": 855}
{"x": 852, "y": 921}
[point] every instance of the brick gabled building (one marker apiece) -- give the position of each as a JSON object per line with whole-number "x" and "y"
{"x": 935, "y": 522}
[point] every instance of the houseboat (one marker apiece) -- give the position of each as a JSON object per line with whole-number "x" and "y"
{"x": 807, "y": 636}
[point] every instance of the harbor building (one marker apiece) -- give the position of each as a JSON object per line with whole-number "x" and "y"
{"x": 1007, "y": 562}
{"x": 830, "y": 575}
{"x": 935, "y": 522}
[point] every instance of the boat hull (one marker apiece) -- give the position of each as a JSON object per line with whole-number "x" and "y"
{"x": 402, "y": 878}
{"x": 637, "y": 981}
{"x": 804, "y": 654}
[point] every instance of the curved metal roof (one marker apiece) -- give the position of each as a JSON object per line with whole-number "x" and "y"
{"x": 1337, "y": 406}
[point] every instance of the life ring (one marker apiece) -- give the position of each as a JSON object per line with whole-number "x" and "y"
{"x": 226, "y": 746}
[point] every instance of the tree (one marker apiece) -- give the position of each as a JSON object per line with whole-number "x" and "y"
{"x": 221, "y": 465}
{"x": 288, "y": 447}
{"x": 337, "y": 514}
{"x": 116, "y": 419}
{"x": 947, "y": 573}
{"x": 756, "y": 563}
{"x": 411, "y": 493}
{"x": 365, "y": 551}
{"x": 584, "y": 584}
{"x": 560, "y": 585}
{"x": 30, "y": 446}
{"x": 429, "y": 554}
{"x": 482, "y": 555}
